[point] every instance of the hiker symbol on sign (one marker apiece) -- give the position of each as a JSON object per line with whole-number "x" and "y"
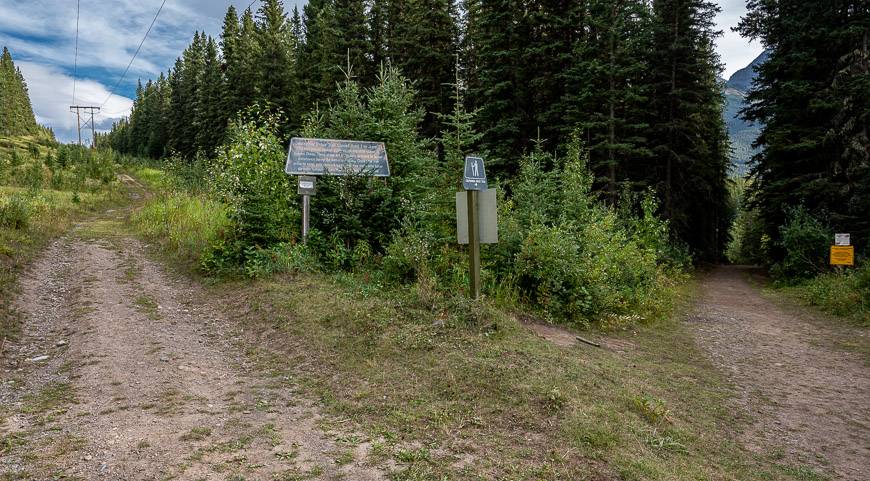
{"x": 475, "y": 174}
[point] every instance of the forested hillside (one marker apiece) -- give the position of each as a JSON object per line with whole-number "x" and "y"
{"x": 635, "y": 82}
{"x": 742, "y": 133}
{"x": 16, "y": 113}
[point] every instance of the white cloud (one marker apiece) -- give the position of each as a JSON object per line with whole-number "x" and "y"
{"x": 735, "y": 51}
{"x": 51, "y": 96}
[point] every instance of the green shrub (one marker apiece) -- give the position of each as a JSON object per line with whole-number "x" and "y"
{"x": 574, "y": 258}
{"x": 14, "y": 212}
{"x": 805, "y": 242}
{"x": 844, "y": 293}
{"x": 248, "y": 176}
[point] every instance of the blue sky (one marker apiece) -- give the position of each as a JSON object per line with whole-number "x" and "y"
{"x": 41, "y": 36}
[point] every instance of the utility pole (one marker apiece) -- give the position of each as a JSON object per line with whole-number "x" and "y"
{"x": 87, "y": 109}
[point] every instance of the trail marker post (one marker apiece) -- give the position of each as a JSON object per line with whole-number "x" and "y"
{"x": 476, "y": 218}
{"x": 309, "y": 158}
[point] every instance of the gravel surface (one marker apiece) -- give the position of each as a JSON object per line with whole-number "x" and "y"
{"x": 809, "y": 397}
{"x": 144, "y": 379}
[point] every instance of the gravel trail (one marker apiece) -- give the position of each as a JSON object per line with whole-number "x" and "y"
{"x": 144, "y": 380}
{"x": 807, "y": 393}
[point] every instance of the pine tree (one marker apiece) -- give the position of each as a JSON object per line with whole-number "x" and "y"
{"x": 353, "y": 45}
{"x": 687, "y": 135}
{"x": 423, "y": 43}
{"x": 318, "y": 74}
{"x": 16, "y": 113}
{"x": 501, "y": 87}
{"x": 230, "y": 52}
{"x": 606, "y": 91}
{"x": 811, "y": 97}
{"x": 276, "y": 76}
{"x": 210, "y": 118}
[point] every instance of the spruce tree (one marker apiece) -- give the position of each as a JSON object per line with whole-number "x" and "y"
{"x": 275, "y": 65}
{"x": 687, "y": 135}
{"x": 811, "y": 98}
{"x": 423, "y": 43}
{"x": 501, "y": 87}
{"x": 16, "y": 113}
{"x": 606, "y": 92}
{"x": 210, "y": 120}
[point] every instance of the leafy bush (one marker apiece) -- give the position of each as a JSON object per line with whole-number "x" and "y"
{"x": 14, "y": 212}
{"x": 805, "y": 242}
{"x": 843, "y": 293}
{"x": 248, "y": 176}
{"x": 573, "y": 257}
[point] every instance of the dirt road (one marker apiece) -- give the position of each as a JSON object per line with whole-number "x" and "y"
{"x": 808, "y": 395}
{"x": 125, "y": 375}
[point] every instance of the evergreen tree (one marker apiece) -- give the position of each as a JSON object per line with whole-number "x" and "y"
{"x": 687, "y": 136}
{"x": 319, "y": 75}
{"x": 353, "y": 45}
{"x": 276, "y": 82}
{"x": 811, "y": 98}
{"x": 210, "y": 119}
{"x": 16, "y": 113}
{"x": 423, "y": 44}
{"x": 606, "y": 91}
{"x": 501, "y": 88}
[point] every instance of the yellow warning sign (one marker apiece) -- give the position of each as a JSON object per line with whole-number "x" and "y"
{"x": 842, "y": 255}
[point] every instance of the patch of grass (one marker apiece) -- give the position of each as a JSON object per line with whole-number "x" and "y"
{"x": 54, "y": 395}
{"x": 148, "y": 306}
{"x": 197, "y": 434}
{"x": 185, "y": 225}
{"x": 844, "y": 293}
{"x": 530, "y": 406}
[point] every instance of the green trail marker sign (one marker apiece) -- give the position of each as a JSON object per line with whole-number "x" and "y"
{"x": 308, "y": 158}
{"x": 476, "y": 217}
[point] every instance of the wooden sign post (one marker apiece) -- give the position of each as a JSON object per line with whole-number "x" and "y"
{"x": 474, "y": 181}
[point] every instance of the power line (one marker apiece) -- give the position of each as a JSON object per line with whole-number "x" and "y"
{"x": 111, "y": 92}
{"x": 76, "y": 61}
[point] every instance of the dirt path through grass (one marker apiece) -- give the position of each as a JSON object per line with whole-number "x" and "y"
{"x": 808, "y": 394}
{"x": 125, "y": 374}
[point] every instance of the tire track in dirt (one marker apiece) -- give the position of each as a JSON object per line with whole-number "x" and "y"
{"x": 810, "y": 402}
{"x": 161, "y": 389}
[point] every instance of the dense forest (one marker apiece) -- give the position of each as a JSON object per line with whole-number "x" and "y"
{"x": 812, "y": 97}
{"x": 634, "y": 81}
{"x": 16, "y": 113}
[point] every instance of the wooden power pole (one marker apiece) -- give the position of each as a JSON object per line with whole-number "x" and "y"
{"x": 78, "y": 109}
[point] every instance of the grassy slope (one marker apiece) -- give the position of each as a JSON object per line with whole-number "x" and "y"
{"x": 465, "y": 391}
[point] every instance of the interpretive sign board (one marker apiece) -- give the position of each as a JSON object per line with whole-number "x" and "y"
{"x": 842, "y": 255}
{"x": 475, "y": 175}
{"x": 487, "y": 214}
{"x": 842, "y": 240}
{"x": 336, "y": 157}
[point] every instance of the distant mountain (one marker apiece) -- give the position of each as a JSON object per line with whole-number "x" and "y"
{"x": 742, "y": 133}
{"x": 742, "y": 79}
